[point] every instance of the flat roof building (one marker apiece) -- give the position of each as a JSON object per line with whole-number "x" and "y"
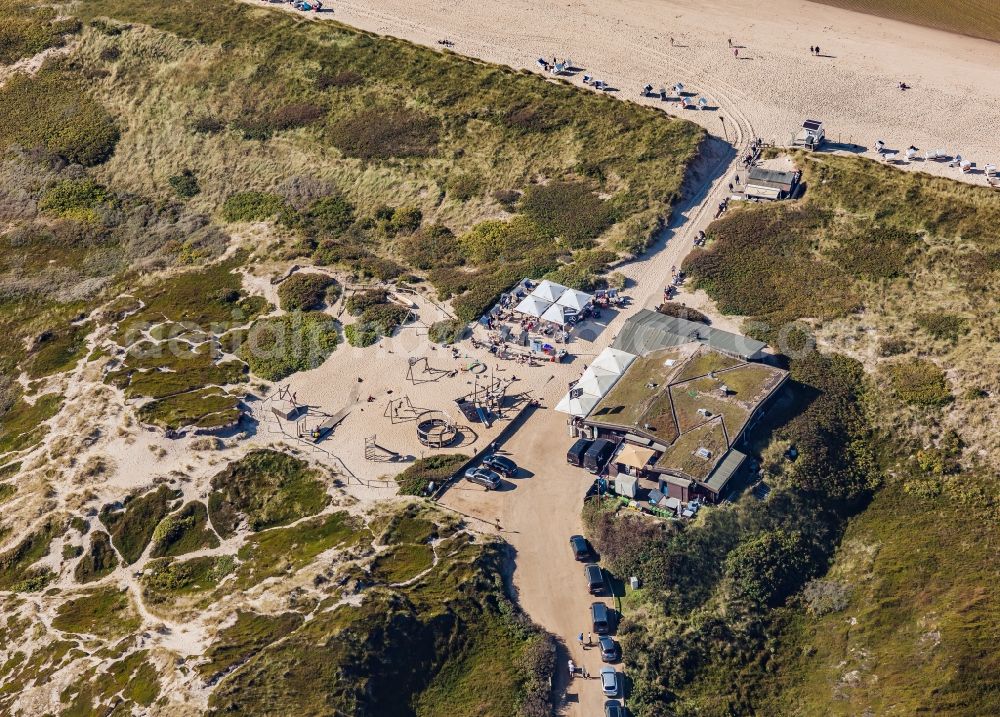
{"x": 650, "y": 330}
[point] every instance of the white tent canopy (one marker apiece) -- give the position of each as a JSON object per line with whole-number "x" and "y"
{"x": 577, "y": 404}
{"x": 532, "y": 306}
{"x": 548, "y": 291}
{"x": 597, "y": 381}
{"x": 613, "y": 360}
{"x": 556, "y": 314}
{"x": 574, "y": 299}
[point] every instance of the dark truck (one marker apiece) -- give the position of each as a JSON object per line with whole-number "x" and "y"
{"x": 598, "y": 454}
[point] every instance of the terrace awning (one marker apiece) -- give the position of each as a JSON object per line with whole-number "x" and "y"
{"x": 549, "y": 291}
{"x": 597, "y": 381}
{"x": 532, "y": 306}
{"x": 575, "y": 299}
{"x": 634, "y": 456}
{"x": 613, "y": 360}
{"x": 556, "y": 314}
{"x": 577, "y": 404}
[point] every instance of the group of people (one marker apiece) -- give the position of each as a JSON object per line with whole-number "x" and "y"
{"x": 814, "y": 50}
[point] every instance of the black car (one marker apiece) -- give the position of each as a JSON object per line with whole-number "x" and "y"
{"x": 609, "y": 649}
{"x": 504, "y": 466}
{"x": 580, "y": 546}
{"x": 600, "y": 616}
{"x": 484, "y": 477}
{"x": 595, "y": 579}
{"x": 613, "y": 708}
{"x": 574, "y": 456}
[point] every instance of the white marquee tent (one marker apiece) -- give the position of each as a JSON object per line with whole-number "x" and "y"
{"x": 532, "y": 306}
{"x": 549, "y": 291}
{"x": 597, "y": 381}
{"x": 577, "y": 404}
{"x": 613, "y": 360}
{"x": 573, "y": 299}
{"x": 556, "y": 314}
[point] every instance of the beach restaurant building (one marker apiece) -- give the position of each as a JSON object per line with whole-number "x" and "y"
{"x": 679, "y": 408}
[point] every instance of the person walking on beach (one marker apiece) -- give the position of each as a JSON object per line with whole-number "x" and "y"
{"x": 812, "y": 50}
{"x": 730, "y": 41}
{"x": 817, "y": 49}
{"x": 736, "y": 52}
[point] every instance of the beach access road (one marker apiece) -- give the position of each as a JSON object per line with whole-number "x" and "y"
{"x": 538, "y": 511}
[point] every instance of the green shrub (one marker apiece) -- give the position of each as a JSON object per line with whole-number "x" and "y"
{"x": 463, "y": 187}
{"x": 185, "y": 184}
{"x": 672, "y": 308}
{"x": 131, "y": 528}
{"x": 568, "y": 210}
{"x": 252, "y": 207}
{"x": 893, "y": 346}
{"x": 385, "y": 132}
{"x": 327, "y": 80}
{"x": 330, "y": 215}
{"x": 99, "y": 561}
{"x": 404, "y": 220}
{"x": 277, "y": 347}
{"x": 448, "y": 331}
{"x": 307, "y": 291}
{"x": 357, "y": 303}
{"x": 942, "y": 326}
{"x": 76, "y": 199}
{"x": 385, "y": 318}
{"x": 26, "y": 31}
{"x": 52, "y": 110}
{"x": 437, "y": 468}
{"x": 432, "y": 247}
{"x": 919, "y": 382}
{"x": 265, "y": 488}
{"x": 360, "y": 335}
{"x": 183, "y": 532}
{"x": 768, "y": 567}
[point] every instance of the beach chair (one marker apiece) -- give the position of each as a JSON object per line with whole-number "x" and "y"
{"x": 941, "y": 155}
{"x": 911, "y": 153}
{"x": 679, "y": 88}
{"x": 991, "y": 170}
{"x": 702, "y": 103}
{"x": 930, "y": 154}
{"x": 956, "y": 161}
{"x": 965, "y": 166}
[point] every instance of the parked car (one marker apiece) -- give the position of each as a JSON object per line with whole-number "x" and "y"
{"x": 597, "y": 455}
{"x": 609, "y": 681}
{"x": 610, "y": 651}
{"x": 484, "y": 477}
{"x": 600, "y": 616}
{"x": 580, "y": 546}
{"x": 498, "y": 464}
{"x": 595, "y": 579}
{"x": 576, "y": 452}
{"x": 613, "y": 708}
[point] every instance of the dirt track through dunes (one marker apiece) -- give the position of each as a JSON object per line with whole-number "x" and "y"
{"x": 954, "y": 103}
{"x": 976, "y": 18}
{"x": 538, "y": 512}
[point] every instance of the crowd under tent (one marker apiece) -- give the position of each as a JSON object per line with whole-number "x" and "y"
{"x": 532, "y": 306}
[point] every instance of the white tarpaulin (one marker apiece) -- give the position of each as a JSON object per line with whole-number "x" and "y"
{"x": 597, "y": 381}
{"x": 577, "y": 404}
{"x": 613, "y": 360}
{"x": 548, "y": 291}
{"x": 532, "y": 306}
{"x": 574, "y": 299}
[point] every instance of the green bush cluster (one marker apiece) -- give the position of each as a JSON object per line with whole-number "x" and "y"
{"x": 277, "y": 347}
{"x": 100, "y": 560}
{"x": 919, "y": 382}
{"x": 385, "y": 132}
{"x": 437, "y": 468}
{"x": 185, "y": 184}
{"x": 432, "y": 247}
{"x": 252, "y": 207}
{"x": 131, "y": 526}
{"x": 53, "y": 110}
{"x": 943, "y": 326}
{"x": 768, "y": 567}
{"x": 307, "y": 291}
{"x": 261, "y": 126}
{"x": 673, "y": 308}
{"x": 26, "y": 30}
{"x": 447, "y": 331}
{"x": 76, "y": 199}
{"x": 568, "y": 210}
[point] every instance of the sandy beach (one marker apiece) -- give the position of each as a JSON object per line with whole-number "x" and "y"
{"x": 774, "y": 84}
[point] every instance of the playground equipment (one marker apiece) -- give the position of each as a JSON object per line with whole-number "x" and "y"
{"x": 401, "y": 410}
{"x": 435, "y": 374}
{"x": 436, "y": 430}
{"x": 375, "y": 452}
